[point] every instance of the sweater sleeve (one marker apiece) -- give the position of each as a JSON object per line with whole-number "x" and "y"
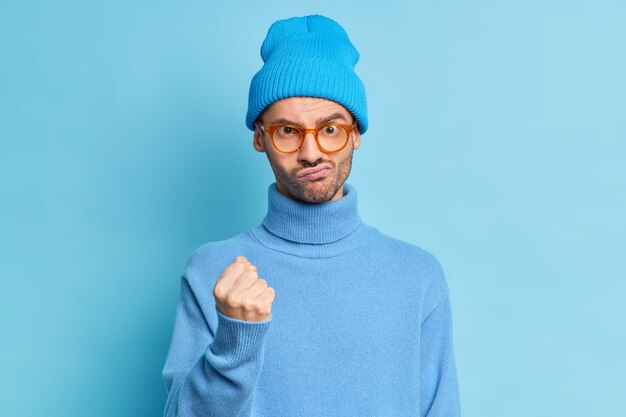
{"x": 210, "y": 373}
{"x": 439, "y": 393}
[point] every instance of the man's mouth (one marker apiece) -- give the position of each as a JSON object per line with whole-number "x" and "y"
{"x": 315, "y": 173}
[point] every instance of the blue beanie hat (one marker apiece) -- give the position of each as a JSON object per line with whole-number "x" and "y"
{"x": 308, "y": 56}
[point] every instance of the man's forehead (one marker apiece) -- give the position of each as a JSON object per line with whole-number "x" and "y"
{"x": 306, "y": 109}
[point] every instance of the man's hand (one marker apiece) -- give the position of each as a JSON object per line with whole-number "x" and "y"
{"x": 240, "y": 293}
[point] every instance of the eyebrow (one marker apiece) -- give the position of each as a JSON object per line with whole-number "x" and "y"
{"x": 327, "y": 119}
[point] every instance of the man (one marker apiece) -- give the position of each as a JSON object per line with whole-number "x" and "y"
{"x": 312, "y": 312}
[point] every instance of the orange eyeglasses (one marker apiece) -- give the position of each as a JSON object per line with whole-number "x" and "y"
{"x": 330, "y": 137}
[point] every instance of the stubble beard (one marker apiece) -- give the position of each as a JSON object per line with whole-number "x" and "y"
{"x": 319, "y": 191}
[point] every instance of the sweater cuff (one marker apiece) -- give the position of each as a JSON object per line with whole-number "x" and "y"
{"x": 238, "y": 340}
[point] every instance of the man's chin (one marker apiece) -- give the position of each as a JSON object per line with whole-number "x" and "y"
{"x": 318, "y": 191}
{"x": 310, "y": 191}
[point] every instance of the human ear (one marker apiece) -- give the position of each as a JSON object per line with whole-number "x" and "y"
{"x": 356, "y": 138}
{"x": 258, "y": 139}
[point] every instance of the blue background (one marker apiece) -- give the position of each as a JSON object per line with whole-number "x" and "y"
{"x": 496, "y": 142}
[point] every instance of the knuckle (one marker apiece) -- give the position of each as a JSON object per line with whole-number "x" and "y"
{"x": 233, "y": 300}
{"x": 248, "y": 304}
{"x": 217, "y": 291}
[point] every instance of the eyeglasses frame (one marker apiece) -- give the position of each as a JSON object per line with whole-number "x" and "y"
{"x": 271, "y": 129}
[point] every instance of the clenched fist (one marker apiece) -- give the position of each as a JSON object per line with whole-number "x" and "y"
{"x": 240, "y": 293}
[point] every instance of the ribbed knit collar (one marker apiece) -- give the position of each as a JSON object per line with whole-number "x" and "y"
{"x": 311, "y": 222}
{"x": 312, "y": 229}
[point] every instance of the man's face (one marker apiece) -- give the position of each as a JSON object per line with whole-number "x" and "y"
{"x": 307, "y": 112}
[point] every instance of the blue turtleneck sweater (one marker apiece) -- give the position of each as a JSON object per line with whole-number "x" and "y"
{"x": 361, "y": 323}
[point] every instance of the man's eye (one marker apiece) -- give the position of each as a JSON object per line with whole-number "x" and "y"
{"x": 287, "y": 130}
{"x": 330, "y": 130}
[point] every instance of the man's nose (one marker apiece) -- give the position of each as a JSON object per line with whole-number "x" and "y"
{"x": 309, "y": 151}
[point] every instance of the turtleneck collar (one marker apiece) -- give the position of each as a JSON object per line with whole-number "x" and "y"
{"x": 313, "y": 223}
{"x": 312, "y": 230}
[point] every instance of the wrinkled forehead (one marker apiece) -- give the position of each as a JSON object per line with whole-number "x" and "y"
{"x": 306, "y": 111}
